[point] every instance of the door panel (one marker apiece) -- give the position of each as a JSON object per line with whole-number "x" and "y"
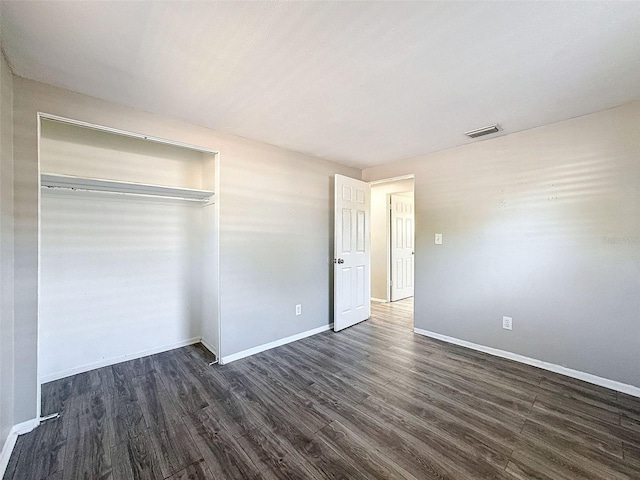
{"x": 346, "y": 290}
{"x": 352, "y": 271}
{"x": 346, "y": 231}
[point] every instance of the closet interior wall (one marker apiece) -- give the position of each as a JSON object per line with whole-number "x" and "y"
{"x": 122, "y": 275}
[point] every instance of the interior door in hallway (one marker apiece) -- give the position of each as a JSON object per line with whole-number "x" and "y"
{"x": 352, "y": 252}
{"x": 402, "y": 248}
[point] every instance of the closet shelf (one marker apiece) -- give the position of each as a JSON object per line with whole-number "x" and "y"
{"x": 100, "y": 185}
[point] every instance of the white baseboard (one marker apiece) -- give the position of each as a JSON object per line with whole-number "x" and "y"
{"x": 552, "y": 367}
{"x": 10, "y": 442}
{"x": 277, "y": 343}
{"x": 114, "y": 360}
{"x": 379, "y": 300}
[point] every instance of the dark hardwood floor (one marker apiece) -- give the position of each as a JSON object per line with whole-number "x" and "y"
{"x": 373, "y": 401}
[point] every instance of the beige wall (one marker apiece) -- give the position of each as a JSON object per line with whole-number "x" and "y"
{"x": 543, "y": 226}
{"x": 380, "y": 233}
{"x": 6, "y": 250}
{"x": 275, "y": 227}
{"x": 276, "y": 244}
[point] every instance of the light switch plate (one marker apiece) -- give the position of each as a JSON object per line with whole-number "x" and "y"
{"x": 438, "y": 239}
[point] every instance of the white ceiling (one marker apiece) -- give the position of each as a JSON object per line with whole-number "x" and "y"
{"x": 361, "y": 83}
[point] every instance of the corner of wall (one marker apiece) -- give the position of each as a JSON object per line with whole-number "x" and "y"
{"x": 6, "y": 255}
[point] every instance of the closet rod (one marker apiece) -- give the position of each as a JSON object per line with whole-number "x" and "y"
{"x": 167, "y": 197}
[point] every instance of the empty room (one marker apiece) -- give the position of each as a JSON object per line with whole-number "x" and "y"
{"x": 319, "y": 240}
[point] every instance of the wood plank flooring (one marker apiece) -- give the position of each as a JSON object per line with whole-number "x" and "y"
{"x": 373, "y": 401}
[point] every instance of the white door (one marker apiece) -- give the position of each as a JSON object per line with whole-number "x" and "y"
{"x": 401, "y": 247}
{"x": 352, "y": 247}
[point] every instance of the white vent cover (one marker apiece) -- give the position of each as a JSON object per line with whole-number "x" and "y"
{"x": 479, "y": 132}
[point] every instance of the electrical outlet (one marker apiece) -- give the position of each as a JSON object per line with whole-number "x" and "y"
{"x": 298, "y": 309}
{"x": 507, "y": 323}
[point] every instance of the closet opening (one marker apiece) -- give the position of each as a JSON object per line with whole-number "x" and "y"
{"x": 128, "y": 247}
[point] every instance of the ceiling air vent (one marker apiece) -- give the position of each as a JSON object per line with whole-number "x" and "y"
{"x": 479, "y": 132}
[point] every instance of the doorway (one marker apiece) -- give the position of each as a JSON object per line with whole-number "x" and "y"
{"x": 392, "y": 236}
{"x": 392, "y": 252}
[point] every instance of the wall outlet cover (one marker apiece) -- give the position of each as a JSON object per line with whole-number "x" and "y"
{"x": 507, "y": 323}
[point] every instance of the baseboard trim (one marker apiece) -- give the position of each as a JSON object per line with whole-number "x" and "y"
{"x": 114, "y": 360}
{"x": 379, "y": 300}
{"x": 277, "y": 343}
{"x": 12, "y": 438}
{"x": 551, "y": 367}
